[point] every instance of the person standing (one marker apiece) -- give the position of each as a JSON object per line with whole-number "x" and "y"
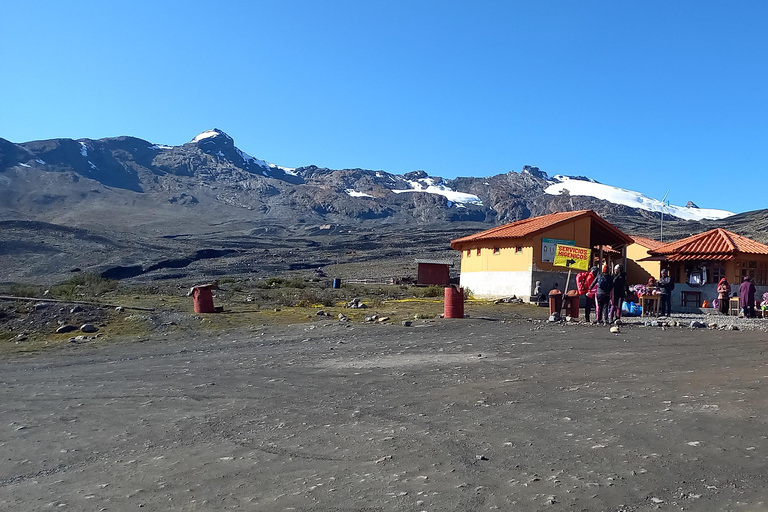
{"x": 666, "y": 285}
{"x": 747, "y": 297}
{"x": 620, "y": 289}
{"x": 603, "y": 296}
{"x": 723, "y": 296}
{"x": 584, "y": 284}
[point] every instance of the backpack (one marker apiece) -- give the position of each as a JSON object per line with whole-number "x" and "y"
{"x": 604, "y": 283}
{"x": 581, "y": 282}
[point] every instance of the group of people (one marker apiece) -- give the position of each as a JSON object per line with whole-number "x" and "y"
{"x": 609, "y": 289}
{"x": 746, "y": 296}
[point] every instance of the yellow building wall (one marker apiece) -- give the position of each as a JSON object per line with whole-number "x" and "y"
{"x": 508, "y": 259}
{"x": 638, "y": 272}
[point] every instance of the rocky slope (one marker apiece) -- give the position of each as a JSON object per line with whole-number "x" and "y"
{"x": 134, "y": 208}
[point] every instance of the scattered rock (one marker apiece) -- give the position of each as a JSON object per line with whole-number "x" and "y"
{"x": 407, "y": 323}
{"x": 615, "y": 329}
{"x": 733, "y": 327}
{"x": 554, "y": 317}
{"x": 481, "y": 457}
{"x": 65, "y": 328}
{"x": 343, "y": 318}
{"x": 383, "y": 319}
{"x": 119, "y": 309}
{"x": 40, "y": 305}
{"x": 696, "y": 324}
{"x": 76, "y": 309}
{"x": 712, "y": 325}
{"x": 88, "y": 328}
{"x": 372, "y": 318}
{"x": 355, "y": 304}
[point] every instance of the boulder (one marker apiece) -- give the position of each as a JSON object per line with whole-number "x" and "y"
{"x": 88, "y": 328}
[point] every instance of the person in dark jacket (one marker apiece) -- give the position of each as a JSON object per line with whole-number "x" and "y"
{"x": 620, "y": 289}
{"x": 747, "y": 297}
{"x": 666, "y": 285}
{"x": 603, "y": 296}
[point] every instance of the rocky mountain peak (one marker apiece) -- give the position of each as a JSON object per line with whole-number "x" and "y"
{"x": 535, "y": 171}
{"x": 213, "y": 136}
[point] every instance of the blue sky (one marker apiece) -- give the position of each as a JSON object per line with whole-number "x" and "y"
{"x": 650, "y": 96}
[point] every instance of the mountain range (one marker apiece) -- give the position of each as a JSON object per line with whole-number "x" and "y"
{"x": 132, "y": 197}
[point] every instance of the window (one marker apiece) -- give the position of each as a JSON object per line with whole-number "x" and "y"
{"x": 478, "y": 251}
{"x": 496, "y": 250}
{"x": 518, "y": 250}
{"x": 718, "y": 272}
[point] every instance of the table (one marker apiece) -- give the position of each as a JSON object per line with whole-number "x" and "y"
{"x": 733, "y": 307}
{"x": 650, "y": 304}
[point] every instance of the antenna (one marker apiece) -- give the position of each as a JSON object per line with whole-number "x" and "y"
{"x": 664, "y": 203}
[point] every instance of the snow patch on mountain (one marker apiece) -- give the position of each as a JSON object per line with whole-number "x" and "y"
{"x": 428, "y": 186}
{"x": 352, "y": 193}
{"x": 206, "y": 135}
{"x": 616, "y": 195}
{"x": 248, "y": 158}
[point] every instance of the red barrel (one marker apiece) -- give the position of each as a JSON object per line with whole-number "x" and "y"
{"x": 454, "y": 302}
{"x": 203, "y": 299}
{"x": 572, "y": 303}
{"x": 555, "y": 301}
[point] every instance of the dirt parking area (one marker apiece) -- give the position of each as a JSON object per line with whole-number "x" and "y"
{"x": 445, "y": 415}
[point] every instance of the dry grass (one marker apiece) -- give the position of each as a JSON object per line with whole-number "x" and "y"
{"x": 245, "y": 304}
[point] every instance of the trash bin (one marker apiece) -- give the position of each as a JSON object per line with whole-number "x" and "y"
{"x": 572, "y": 304}
{"x": 555, "y": 301}
{"x": 454, "y": 302}
{"x": 202, "y": 297}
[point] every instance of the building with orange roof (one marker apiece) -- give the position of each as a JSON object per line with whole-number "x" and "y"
{"x": 508, "y": 260}
{"x": 698, "y": 262}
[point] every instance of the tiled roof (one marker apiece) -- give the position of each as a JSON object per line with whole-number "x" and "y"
{"x": 648, "y": 243}
{"x": 527, "y": 227}
{"x": 713, "y": 244}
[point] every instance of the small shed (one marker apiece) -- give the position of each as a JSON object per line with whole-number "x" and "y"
{"x": 433, "y": 272}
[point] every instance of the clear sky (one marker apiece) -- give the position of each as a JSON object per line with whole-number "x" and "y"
{"x": 646, "y": 95}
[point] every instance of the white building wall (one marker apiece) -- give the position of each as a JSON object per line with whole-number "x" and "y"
{"x": 495, "y": 285}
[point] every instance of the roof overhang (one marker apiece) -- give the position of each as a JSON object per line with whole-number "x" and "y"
{"x": 435, "y": 262}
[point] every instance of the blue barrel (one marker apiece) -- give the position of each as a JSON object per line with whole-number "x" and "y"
{"x": 337, "y": 283}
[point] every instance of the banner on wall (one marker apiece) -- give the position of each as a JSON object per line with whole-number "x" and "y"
{"x": 548, "y": 246}
{"x": 572, "y": 257}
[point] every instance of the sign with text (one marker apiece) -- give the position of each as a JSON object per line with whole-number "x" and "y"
{"x": 573, "y": 257}
{"x": 548, "y": 248}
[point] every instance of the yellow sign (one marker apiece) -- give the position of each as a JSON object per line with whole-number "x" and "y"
{"x": 569, "y": 256}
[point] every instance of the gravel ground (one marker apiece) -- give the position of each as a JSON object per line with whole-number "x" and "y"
{"x": 493, "y": 413}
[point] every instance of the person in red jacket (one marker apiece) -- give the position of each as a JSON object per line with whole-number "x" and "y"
{"x": 585, "y": 282}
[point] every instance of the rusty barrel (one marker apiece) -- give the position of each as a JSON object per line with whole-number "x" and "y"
{"x": 555, "y": 301}
{"x": 203, "y": 299}
{"x": 572, "y": 303}
{"x": 454, "y": 302}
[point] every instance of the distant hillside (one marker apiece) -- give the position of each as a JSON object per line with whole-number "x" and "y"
{"x": 137, "y": 203}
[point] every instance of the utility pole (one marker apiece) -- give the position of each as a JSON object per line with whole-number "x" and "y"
{"x": 663, "y": 203}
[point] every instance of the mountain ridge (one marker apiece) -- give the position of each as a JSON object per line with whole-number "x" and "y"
{"x": 209, "y": 194}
